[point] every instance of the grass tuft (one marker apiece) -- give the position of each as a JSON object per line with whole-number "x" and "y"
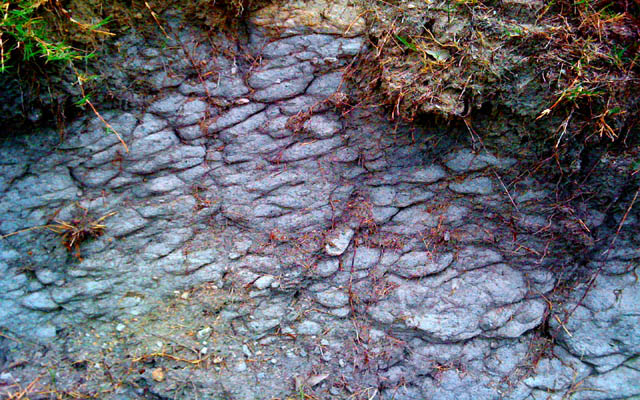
{"x": 74, "y": 232}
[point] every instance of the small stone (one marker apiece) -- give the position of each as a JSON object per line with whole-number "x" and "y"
{"x": 466, "y": 161}
{"x": 46, "y": 332}
{"x": 120, "y": 327}
{"x": 268, "y": 340}
{"x": 333, "y": 298}
{"x": 309, "y": 328}
{"x": 150, "y": 124}
{"x": 246, "y": 351}
{"x": 480, "y": 185}
{"x": 263, "y": 325}
{"x": 258, "y": 293}
{"x": 141, "y": 148}
{"x": 314, "y": 380}
{"x": 46, "y": 276}
{"x": 203, "y": 333}
{"x": 241, "y": 366}
{"x": 327, "y": 268}
{"x": 158, "y": 374}
{"x": 287, "y": 330}
{"x": 284, "y": 90}
{"x": 168, "y": 105}
{"x": 6, "y": 378}
{"x": 40, "y": 301}
{"x": 473, "y": 257}
{"x": 322, "y": 127}
{"x": 304, "y": 150}
{"x": 264, "y": 282}
{"x": 338, "y": 241}
{"x": 430, "y": 174}
{"x": 150, "y": 52}
{"x": 325, "y": 85}
{"x": 341, "y": 312}
{"x": 262, "y": 79}
{"x": 377, "y": 335}
{"x": 246, "y": 114}
{"x": 417, "y": 264}
{"x": 164, "y": 184}
{"x": 204, "y": 351}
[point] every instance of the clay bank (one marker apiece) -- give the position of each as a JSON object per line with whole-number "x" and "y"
{"x": 268, "y": 234}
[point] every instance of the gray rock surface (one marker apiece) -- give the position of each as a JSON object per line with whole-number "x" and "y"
{"x": 295, "y": 247}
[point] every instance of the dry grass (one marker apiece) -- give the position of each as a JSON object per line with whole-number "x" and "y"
{"x": 74, "y": 232}
{"x": 573, "y": 65}
{"x": 434, "y": 57}
{"x": 593, "y": 66}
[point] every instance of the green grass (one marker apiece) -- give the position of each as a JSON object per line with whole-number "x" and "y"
{"x": 23, "y": 30}
{"x": 32, "y": 33}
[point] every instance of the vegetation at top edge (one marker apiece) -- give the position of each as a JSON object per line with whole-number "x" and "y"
{"x": 50, "y": 64}
{"x": 46, "y": 51}
{"x": 27, "y": 28}
{"x": 448, "y": 57}
{"x": 565, "y": 68}
{"x": 37, "y": 34}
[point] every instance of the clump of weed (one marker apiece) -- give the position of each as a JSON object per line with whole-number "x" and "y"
{"x": 438, "y": 57}
{"x": 78, "y": 230}
{"x": 592, "y": 64}
{"x": 548, "y": 81}
{"x": 74, "y": 232}
{"x": 577, "y": 60}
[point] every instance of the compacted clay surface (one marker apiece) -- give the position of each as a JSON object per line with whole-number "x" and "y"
{"x": 261, "y": 242}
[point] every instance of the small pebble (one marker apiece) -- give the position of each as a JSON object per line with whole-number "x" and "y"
{"x": 158, "y": 374}
{"x": 241, "y": 366}
{"x": 6, "y": 378}
{"x": 246, "y": 351}
{"x": 203, "y": 333}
